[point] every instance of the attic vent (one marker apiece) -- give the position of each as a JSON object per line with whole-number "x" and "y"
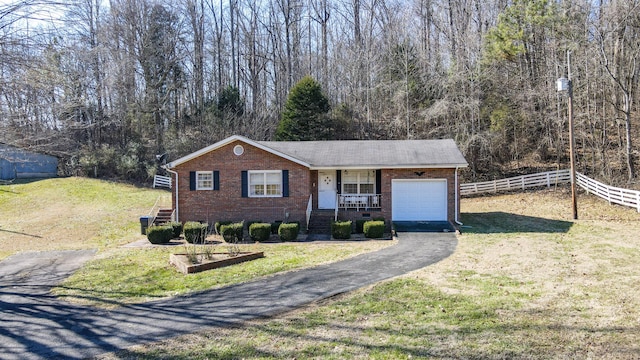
{"x": 238, "y": 150}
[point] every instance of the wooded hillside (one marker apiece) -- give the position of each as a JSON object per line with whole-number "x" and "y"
{"x": 108, "y": 85}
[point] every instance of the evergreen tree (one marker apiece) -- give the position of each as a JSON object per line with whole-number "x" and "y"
{"x": 306, "y": 114}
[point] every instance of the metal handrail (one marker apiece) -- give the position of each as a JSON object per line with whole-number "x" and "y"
{"x": 309, "y": 209}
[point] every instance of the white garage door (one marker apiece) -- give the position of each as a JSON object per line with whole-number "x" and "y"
{"x": 419, "y": 200}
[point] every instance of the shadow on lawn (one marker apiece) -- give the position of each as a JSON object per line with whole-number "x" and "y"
{"x": 501, "y": 222}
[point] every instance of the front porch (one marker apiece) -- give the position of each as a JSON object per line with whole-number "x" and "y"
{"x": 359, "y": 202}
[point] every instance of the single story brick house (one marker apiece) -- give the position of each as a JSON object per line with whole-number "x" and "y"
{"x": 242, "y": 179}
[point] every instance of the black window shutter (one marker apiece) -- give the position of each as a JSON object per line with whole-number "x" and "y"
{"x": 378, "y": 182}
{"x": 245, "y": 184}
{"x": 285, "y": 183}
{"x": 192, "y": 180}
{"x": 339, "y": 181}
{"x": 216, "y": 180}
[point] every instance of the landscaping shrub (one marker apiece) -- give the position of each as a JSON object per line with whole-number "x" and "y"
{"x": 218, "y": 224}
{"x": 274, "y": 226}
{"x": 374, "y": 229}
{"x": 177, "y": 228}
{"x": 341, "y": 230}
{"x": 360, "y": 224}
{"x": 251, "y": 222}
{"x": 288, "y": 231}
{"x": 232, "y": 233}
{"x": 159, "y": 234}
{"x": 195, "y": 232}
{"x": 260, "y": 231}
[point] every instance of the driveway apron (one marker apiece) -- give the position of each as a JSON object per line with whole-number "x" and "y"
{"x": 38, "y": 326}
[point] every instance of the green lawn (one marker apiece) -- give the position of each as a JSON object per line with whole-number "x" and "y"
{"x": 525, "y": 282}
{"x": 71, "y": 213}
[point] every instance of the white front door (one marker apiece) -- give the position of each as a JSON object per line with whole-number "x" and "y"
{"x": 327, "y": 190}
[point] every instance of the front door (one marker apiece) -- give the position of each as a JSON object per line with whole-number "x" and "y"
{"x": 327, "y": 190}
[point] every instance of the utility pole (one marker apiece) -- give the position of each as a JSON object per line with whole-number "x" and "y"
{"x": 567, "y": 85}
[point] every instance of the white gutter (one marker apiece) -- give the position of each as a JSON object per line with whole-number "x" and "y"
{"x": 457, "y": 198}
{"x": 176, "y": 187}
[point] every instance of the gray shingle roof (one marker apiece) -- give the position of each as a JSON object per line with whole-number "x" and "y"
{"x": 353, "y": 153}
{"x": 372, "y": 153}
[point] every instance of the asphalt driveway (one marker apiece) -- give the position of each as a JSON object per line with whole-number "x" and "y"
{"x": 37, "y": 326}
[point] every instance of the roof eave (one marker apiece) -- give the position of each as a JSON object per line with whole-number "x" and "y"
{"x": 228, "y": 141}
{"x": 382, "y": 166}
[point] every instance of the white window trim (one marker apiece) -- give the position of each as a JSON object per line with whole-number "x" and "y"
{"x": 359, "y": 182}
{"x": 198, "y": 173}
{"x": 264, "y": 173}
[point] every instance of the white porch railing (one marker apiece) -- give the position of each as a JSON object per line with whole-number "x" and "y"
{"x": 359, "y": 201}
{"x": 161, "y": 181}
{"x": 547, "y": 179}
{"x": 309, "y": 209}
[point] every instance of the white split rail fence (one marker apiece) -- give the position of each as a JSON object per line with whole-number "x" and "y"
{"x": 548, "y": 179}
{"x": 612, "y": 194}
{"x": 161, "y": 181}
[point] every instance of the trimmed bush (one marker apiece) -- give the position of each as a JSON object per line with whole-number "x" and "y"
{"x": 374, "y": 229}
{"x": 341, "y": 230}
{"x": 218, "y": 224}
{"x": 260, "y": 231}
{"x": 232, "y": 233}
{"x": 195, "y": 232}
{"x": 275, "y": 225}
{"x": 288, "y": 231}
{"x": 159, "y": 234}
{"x": 360, "y": 224}
{"x": 177, "y": 228}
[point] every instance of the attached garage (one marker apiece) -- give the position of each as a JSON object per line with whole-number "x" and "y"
{"x": 419, "y": 200}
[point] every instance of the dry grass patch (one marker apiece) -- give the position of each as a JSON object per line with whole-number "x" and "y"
{"x": 525, "y": 282}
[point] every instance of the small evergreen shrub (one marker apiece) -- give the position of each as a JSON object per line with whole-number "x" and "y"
{"x": 159, "y": 234}
{"x": 232, "y": 233}
{"x": 218, "y": 224}
{"x": 251, "y": 222}
{"x": 177, "y": 228}
{"x": 359, "y": 225}
{"x": 195, "y": 232}
{"x": 341, "y": 230}
{"x": 374, "y": 229}
{"x": 274, "y": 226}
{"x": 260, "y": 232}
{"x": 288, "y": 231}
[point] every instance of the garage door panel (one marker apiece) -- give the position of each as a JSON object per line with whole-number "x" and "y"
{"x": 419, "y": 200}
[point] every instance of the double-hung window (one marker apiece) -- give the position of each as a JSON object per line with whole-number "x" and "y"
{"x": 204, "y": 180}
{"x": 265, "y": 183}
{"x": 358, "y": 182}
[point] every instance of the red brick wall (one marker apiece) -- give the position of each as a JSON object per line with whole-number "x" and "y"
{"x": 228, "y": 203}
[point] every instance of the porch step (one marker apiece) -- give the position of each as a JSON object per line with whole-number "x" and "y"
{"x": 320, "y": 221}
{"x": 163, "y": 216}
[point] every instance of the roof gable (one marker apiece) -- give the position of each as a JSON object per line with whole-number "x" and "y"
{"x": 228, "y": 141}
{"x": 353, "y": 153}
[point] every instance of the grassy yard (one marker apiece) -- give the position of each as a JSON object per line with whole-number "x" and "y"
{"x": 524, "y": 282}
{"x": 82, "y": 213}
{"x": 71, "y": 213}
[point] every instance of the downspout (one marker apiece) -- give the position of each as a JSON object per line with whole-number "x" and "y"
{"x": 457, "y": 198}
{"x": 176, "y": 187}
